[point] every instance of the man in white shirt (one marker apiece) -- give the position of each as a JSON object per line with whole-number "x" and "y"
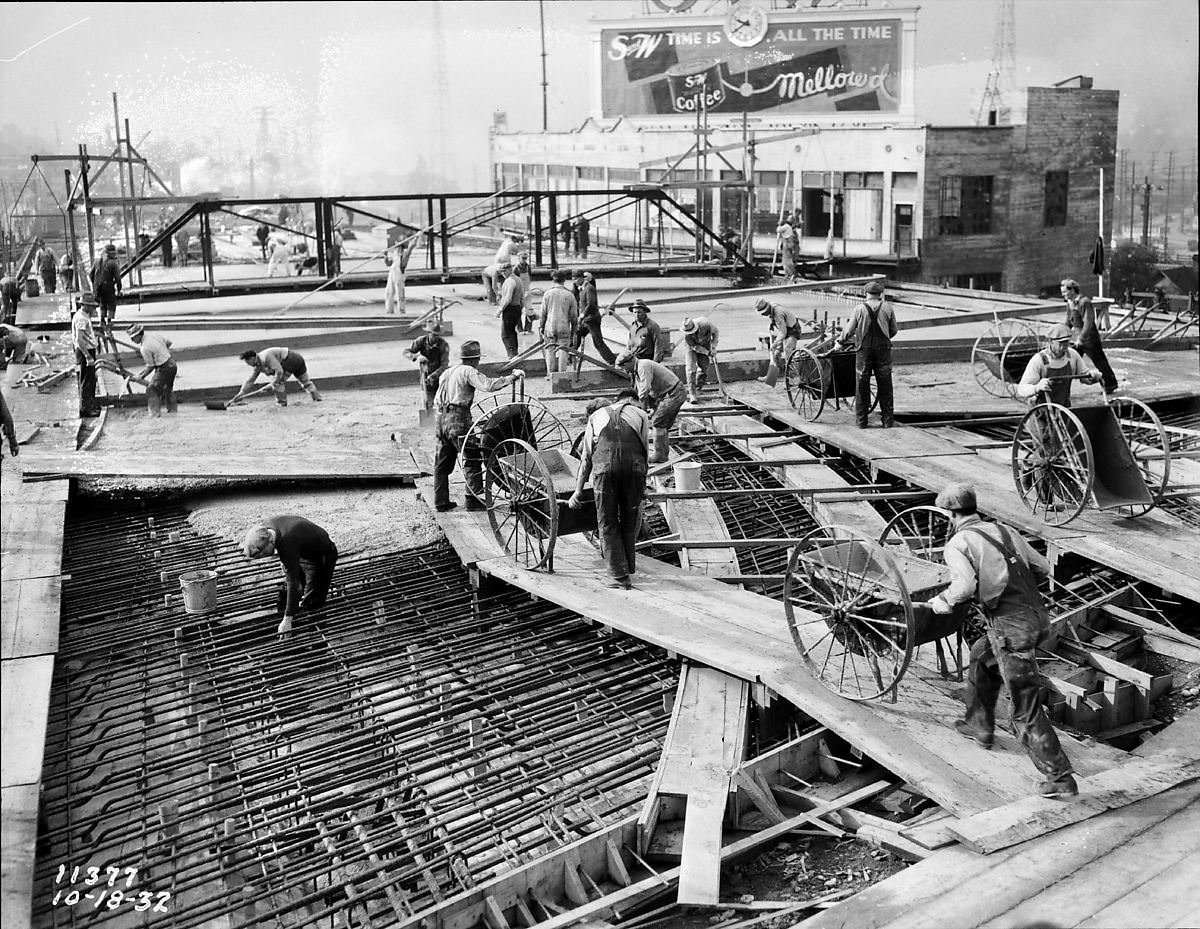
{"x": 160, "y": 369}
{"x": 558, "y": 325}
{"x": 83, "y": 340}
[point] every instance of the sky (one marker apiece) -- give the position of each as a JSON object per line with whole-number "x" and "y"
{"x": 353, "y": 88}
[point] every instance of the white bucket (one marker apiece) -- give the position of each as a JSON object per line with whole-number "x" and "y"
{"x": 687, "y": 475}
{"x": 199, "y": 591}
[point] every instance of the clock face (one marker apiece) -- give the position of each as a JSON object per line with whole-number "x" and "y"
{"x": 746, "y": 24}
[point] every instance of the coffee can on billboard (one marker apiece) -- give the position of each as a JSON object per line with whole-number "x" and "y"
{"x": 696, "y": 83}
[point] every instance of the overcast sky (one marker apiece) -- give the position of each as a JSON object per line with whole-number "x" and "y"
{"x": 356, "y": 85}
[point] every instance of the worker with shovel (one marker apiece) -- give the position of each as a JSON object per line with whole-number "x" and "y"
{"x": 83, "y": 340}
{"x": 661, "y": 394}
{"x": 308, "y": 557}
{"x": 160, "y": 369}
{"x": 785, "y": 330}
{"x": 279, "y": 364}
{"x": 700, "y": 339}
{"x": 432, "y": 354}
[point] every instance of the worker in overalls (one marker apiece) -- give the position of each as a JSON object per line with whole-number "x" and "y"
{"x": 614, "y": 453}
{"x": 872, "y": 329}
{"x": 453, "y": 401}
{"x": 994, "y": 565}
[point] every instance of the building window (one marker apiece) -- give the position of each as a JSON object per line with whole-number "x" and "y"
{"x": 618, "y": 176}
{"x": 1056, "y": 198}
{"x": 979, "y": 280}
{"x": 590, "y": 173}
{"x": 965, "y": 205}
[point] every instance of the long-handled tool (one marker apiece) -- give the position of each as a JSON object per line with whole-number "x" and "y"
{"x": 609, "y": 310}
{"x": 226, "y": 404}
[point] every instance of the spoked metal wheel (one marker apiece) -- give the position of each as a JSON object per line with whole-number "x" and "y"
{"x": 521, "y": 504}
{"x": 497, "y": 418}
{"x": 1001, "y": 340}
{"x": 804, "y": 377}
{"x": 849, "y": 612}
{"x": 1150, "y": 446}
{"x": 1053, "y": 464}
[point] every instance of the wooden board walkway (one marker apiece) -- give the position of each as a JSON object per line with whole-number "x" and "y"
{"x": 268, "y": 466}
{"x": 1156, "y": 547}
{"x": 745, "y": 635}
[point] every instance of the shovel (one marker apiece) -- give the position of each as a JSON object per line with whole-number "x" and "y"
{"x": 226, "y": 404}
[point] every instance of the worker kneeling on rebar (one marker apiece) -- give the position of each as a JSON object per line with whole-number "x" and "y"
{"x": 614, "y": 454}
{"x": 994, "y": 565}
{"x": 308, "y": 556}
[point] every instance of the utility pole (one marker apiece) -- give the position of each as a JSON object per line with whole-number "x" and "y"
{"x": 1167, "y": 204}
{"x": 545, "y": 105}
{"x": 1132, "y": 191}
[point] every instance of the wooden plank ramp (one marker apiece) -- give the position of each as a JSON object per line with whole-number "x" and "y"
{"x": 1109, "y": 871}
{"x": 269, "y": 466}
{"x": 745, "y": 635}
{"x": 1156, "y": 547}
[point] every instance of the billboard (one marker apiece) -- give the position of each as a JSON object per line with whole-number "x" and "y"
{"x": 799, "y": 68}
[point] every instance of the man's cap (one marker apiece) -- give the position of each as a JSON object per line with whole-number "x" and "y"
{"x": 1058, "y": 333}
{"x": 431, "y": 325}
{"x": 1069, "y": 283}
{"x": 875, "y": 287}
{"x": 762, "y": 304}
{"x": 956, "y": 496}
{"x": 588, "y": 276}
{"x": 578, "y": 273}
{"x": 88, "y": 300}
{"x": 469, "y": 349}
{"x": 638, "y": 304}
{"x": 688, "y": 326}
{"x": 626, "y": 356}
{"x": 110, "y": 248}
{"x": 135, "y": 330}
{"x": 257, "y": 541}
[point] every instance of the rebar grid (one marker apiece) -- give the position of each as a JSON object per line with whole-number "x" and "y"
{"x": 406, "y": 742}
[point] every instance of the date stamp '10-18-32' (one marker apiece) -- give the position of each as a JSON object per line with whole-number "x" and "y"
{"x": 109, "y": 887}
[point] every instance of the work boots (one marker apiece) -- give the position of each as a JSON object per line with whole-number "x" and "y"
{"x": 771, "y": 376}
{"x": 313, "y": 392}
{"x": 661, "y": 446}
{"x": 1064, "y": 786}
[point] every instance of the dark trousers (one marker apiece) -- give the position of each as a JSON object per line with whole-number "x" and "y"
{"x": 160, "y": 391}
{"x": 87, "y": 383}
{"x": 1005, "y": 656}
{"x": 107, "y": 298}
{"x": 1095, "y": 351}
{"x": 618, "y": 515}
{"x": 510, "y": 322}
{"x": 606, "y": 353}
{"x": 873, "y": 360}
{"x": 49, "y": 279}
{"x": 318, "y": 575}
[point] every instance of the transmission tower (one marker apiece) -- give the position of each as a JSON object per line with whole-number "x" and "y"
{"x": 995, "y": 109}
{"x": 441, "y": 94}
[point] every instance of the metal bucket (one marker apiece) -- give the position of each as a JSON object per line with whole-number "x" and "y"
{"x": 199, "y": 591}
{"x": 687, "y": 475}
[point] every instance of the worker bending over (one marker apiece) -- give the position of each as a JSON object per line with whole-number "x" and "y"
{"x": 872, "y": 329}
{"x": 1049, "y": 373}
{"x": 661, "y": 394}
{"x": 278, "y": 363}
{"x": 784, "y": 331}
{"x": 700, "y": 338}
{"x": 432, "y": 354}
{"x": 160, "y": 369}
{"x": 308, "y": 557}
{"x": 15, "y": 344}
{"x": 453, "y": 400}
{"x": 614, "y": 453}
{"x": 995, "y": 566}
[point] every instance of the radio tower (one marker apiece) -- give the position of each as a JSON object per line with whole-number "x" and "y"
{"x": 441, "y": 95}
{"x": 995, "y": 109}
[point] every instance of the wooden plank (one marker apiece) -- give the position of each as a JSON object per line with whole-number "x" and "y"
{"x": 1159, "y": 638}
{"x": 1169, "y": 898}
{"x": 19, "y": 807}
{"x": 700, "y": 862}
{"x": 1034, "y": 816}
{"x": 1180, "y": 738}
{"x": 956, "y": 887}
{"x": 270, "y": 466}
{"x": 24, "y": 708}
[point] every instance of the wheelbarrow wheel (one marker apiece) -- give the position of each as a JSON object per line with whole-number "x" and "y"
{"x": 1053, "y": 465}
{"x": 805, "y": 383}
{"x": 1150, "y": 446}
{"x": 999, "y": 339}
{"x": 849, "y": 613}
{"x": 521, "y": 504}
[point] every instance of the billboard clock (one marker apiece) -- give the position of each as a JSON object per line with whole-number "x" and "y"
{"x": 746, "y": 24}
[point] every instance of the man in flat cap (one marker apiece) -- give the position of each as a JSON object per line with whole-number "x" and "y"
{"x": 1050, "y": 372}
{"x": 996, "y": 567}
{"x": 160, "y": 369}
{"x": 872, "y": 329}
{"x": 308, "y": 557}
{"x": 1081, "y": 320}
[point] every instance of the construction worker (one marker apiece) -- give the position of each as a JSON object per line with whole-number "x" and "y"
{"x": 789, "y": 244}
{"x": 15, "y": 343}
{"x": 646, "y": 338}
{"x": 8, "y": 429}
{"x": 1081, "y": 320}
{"x": 106, "y": 284}
{"x": 503, "y": 262}
{"x": 432, "y": 354}
{"x": 700, "y": 339}
{"x": 995, "y": 566}
{"x": 512, "y": 308}
{"x": 278, "y": 263}
{"x": 66, "y": 272}
{"x": 393, "y": 293}
{"x": 308, "y": 557}
{"x": 614, "y": 454}
{"x": 83, "y": 340}
{"x": 453, "y": 400}
{"x": 661, "y": 394}
{"x": 278, "y": 363}
{"x": 784, "y": 330}
{"x": 160, "y": 369}
{"x": 10, "y": 298}
{"x": 872, "y": 329}
{"x": 558, "y": 327}
{"x": 47, "y": 268}
{"x": 1049, "y": 373}
{"x": 590, "y": 316}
